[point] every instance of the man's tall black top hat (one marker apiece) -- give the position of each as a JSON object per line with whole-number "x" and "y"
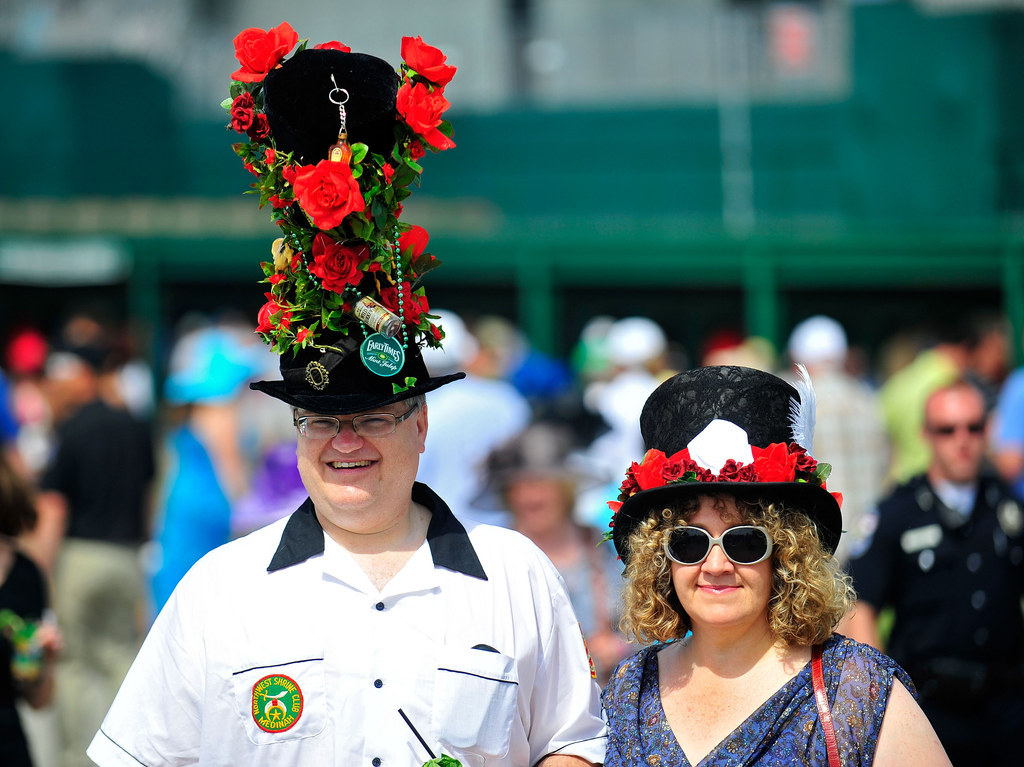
{"x": 334, "y": 140}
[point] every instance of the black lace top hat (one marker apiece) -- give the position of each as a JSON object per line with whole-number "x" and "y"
{"x": 334, "y": 140}
{"x": 746, "y": 431}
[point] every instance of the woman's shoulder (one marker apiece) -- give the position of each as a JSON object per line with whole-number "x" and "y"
{"x": 841, "y": 647}
{"x": 852, "y": 658}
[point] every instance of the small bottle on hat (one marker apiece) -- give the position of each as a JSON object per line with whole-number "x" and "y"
{"x": 376, "y": 316}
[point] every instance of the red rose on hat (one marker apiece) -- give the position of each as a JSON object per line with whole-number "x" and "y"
{"x": 774, "y": 463}
{"x": 416, "y": 238}
{"x": 651, "y": 470}
{"x": 413, "y": 305}
{"x": 677, "y": 465}
{"x": 333, "y": 45}
{"x": 243, "y": 112}
{"x": 737, "y": 472}
{"x": 804, "y": 462}
{"x": 629, "y": 485}
{"x": 327, "y": 192}
{"x": 267, "y": 312}
{"x": 260, "y": 128}
{"x": 673, "y": 470}
{"x": 703, "y": 475}
{"x": 422, "y": 110}
{"x": 259, "y": 51}
{"x": 427, "y": 60}
{"x": 335, "y": 264}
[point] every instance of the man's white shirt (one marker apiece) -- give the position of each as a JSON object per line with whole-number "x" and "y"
{"x": 307, "y": 663}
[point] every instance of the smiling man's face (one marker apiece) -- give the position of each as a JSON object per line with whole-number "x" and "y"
{"x": 362, "y": 485}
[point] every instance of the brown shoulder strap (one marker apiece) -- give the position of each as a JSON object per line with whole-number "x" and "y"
{"x": 824, "y": 713}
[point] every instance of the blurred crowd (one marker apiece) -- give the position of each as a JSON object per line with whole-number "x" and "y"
{"x": 135, "y": 473}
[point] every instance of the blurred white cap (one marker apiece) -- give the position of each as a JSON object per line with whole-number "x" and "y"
{"x": 817, "y": 339}
{"x": 633, "y": 341}
{"x": 459, "y": 345}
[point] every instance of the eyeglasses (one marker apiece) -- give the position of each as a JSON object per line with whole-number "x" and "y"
{"x": 365, "y": 425}
{"x": 742, "y": 545}
{"x": 948, "y": 430}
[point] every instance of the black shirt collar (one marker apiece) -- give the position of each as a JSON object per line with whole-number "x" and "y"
{"x": 303, "y": 537}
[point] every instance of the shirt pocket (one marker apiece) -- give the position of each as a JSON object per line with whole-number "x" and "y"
{"x": 475, "y": 695}
{"x": 283, "y": 701}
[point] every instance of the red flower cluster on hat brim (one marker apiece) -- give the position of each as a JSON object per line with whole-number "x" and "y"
{"x": 778, "y": 462}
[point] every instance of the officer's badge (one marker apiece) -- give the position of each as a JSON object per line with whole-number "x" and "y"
{"x": 276, "y": 703}
{"x": 1010, "y": 518}
{"x": 921, "y": 538}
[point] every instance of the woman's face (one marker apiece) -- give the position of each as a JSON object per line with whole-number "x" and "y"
{"x": 718, "y": 594}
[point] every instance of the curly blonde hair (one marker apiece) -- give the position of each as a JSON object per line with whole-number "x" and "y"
{"x": 809, "y": 595}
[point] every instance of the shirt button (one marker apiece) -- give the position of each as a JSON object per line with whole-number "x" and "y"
{"x": 379, "y": 606}
{"x": 378, "y": 683}
{"x": 376, "y": 761}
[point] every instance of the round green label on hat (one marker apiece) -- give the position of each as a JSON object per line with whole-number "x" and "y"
{"x": 382, "y": 355}
{"x": 276, "y": 703}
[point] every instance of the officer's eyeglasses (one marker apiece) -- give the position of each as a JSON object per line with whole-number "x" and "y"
{"x": 948, "y": 430}
{"x": 365, "y": 425}
{"x": 742, "y": 545}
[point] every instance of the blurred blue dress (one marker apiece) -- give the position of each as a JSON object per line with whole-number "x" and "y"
{"x": 196, "y": 514}
{"x": 784, "y": 730}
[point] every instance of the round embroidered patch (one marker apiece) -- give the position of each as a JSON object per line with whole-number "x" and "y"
{"x": 276, "y": 703}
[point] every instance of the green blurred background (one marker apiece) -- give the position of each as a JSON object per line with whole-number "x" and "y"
{"x": 709, "y": 163}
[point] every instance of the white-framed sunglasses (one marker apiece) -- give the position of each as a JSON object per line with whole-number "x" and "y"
{"x": 742, "y": 545}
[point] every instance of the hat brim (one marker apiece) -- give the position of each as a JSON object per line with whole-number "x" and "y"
{"x": 816, "y": 502}
{"x": 346, "y": 404}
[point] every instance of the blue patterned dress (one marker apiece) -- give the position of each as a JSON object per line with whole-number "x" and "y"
{"x": 784, "y": 731}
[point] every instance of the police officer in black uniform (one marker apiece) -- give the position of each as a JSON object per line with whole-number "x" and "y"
{"x": 947, "y": 556}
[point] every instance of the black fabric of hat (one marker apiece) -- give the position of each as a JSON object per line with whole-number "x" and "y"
{"x": 302, "y": 118}
{"x": 334, "y": 381}
{"x": 760, "y": 404}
